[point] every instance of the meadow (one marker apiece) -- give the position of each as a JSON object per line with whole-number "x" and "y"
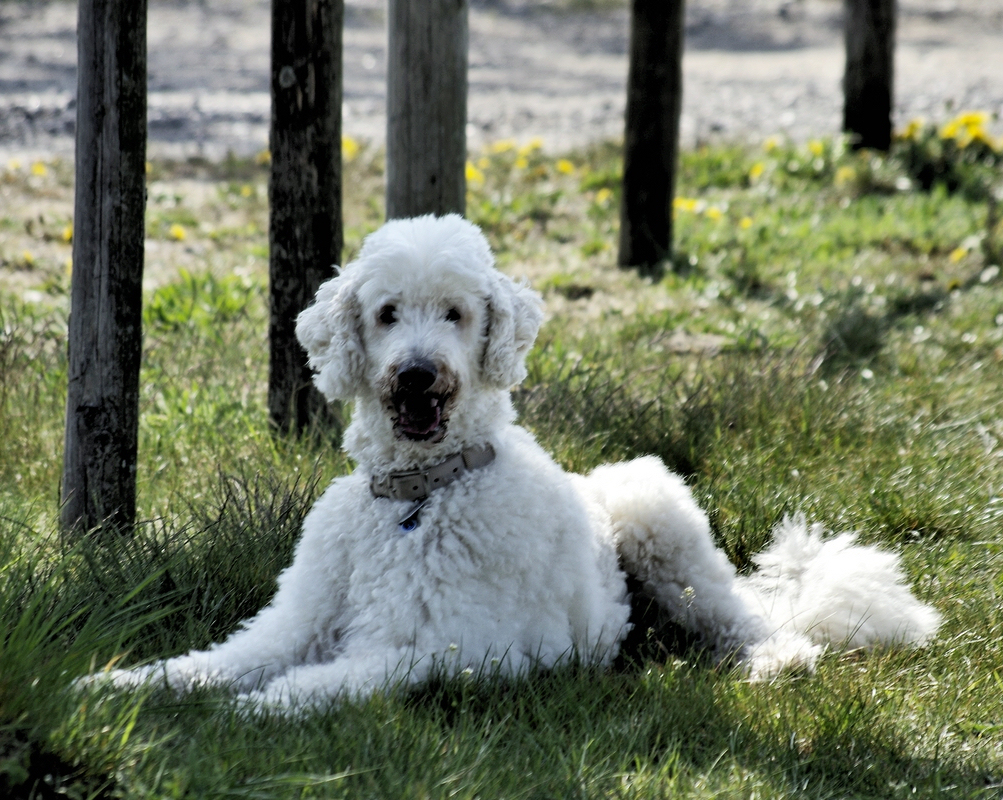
{"x": 828, "y": 338}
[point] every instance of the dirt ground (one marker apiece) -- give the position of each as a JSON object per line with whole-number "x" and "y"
{"x": 554, "y": 70}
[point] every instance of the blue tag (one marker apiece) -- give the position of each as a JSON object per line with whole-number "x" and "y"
{"x": 410, "y": 521}
{"x": 409, "y": 524}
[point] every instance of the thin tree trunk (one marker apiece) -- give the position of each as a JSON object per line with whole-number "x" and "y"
{"x": 868, "y": 83}
{"x": 305, "y": 225}
{"x": 426, "y": 107}
{"x": 105, "y": 330}
{"x": 651, "y": 140}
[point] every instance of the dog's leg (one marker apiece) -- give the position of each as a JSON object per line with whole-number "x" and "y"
{"x": 262, "y": 648}
{"x": 354, "y": 674}
{"x": 664, "y": 540}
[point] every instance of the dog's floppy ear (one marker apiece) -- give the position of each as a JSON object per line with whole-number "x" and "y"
{"x": 514, "y": 316}
{"x": 330, "y": 331}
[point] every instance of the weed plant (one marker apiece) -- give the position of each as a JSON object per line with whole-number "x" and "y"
{"x": 828, "y": 339}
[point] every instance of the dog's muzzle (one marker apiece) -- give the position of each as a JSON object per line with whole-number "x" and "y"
{"x": 419, "y": 394}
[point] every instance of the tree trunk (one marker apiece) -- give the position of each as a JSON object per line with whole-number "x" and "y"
{"x": 105, "y": 330}
{"x": 426, "y": 107}
{"x": 651, "y": 140}
{"x": 305, "y": 227}
{"x": 868, "y": 81}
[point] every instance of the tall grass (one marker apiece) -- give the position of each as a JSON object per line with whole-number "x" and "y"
{"x": 829, "y": 339}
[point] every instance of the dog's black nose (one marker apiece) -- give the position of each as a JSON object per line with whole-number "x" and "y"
{"x": 416, "y": 377}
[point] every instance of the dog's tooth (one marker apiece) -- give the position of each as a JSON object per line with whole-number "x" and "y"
{"x": 435, "y": 402}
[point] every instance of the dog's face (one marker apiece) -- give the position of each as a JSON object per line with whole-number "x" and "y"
{"x": 420, "y": 321}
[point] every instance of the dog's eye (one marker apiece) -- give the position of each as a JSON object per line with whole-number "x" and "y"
{"x": 453, "y": 315}
{"x": 388, "y": 314}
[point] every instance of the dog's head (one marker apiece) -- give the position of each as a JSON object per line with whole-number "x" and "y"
{"x": 420, "y": 320}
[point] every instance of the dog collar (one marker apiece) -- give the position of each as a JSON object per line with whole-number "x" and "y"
{"x": 416, "y": 484}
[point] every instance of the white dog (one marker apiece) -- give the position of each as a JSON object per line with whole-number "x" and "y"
{"x": 458, "y": 543}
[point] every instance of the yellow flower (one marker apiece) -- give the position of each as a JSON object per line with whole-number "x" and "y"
{"x": 28, "y": 258}
{"x": 177, "y": 233}
{"x": 534, "y": 144}
{"x": 148, "y": 167}
{"x": 38, "y": 169}
{"x": 913, "y": 129}
{"x": 714, "y": 213}
{"x": 246, "y": 190}
{"x": 816, "y": 147}
{"x": 68, "y": 234}
{"x": 521, "y": 162}
{"x": 349, "y": 148}
{"x": 756, "y": 171}
{"x": 957, "y": 254}
{"x": 483, "y": 162}
{"x": 745, "y": 223}
{"x": 967, "y": 127}
{"x": 501, "y": 146}
{"x": 771, "y": 144}
{"x": 972, "y": 119}
{"x": 474, "y": 175}
{"x": 684, "y": 204}
{"x": 263, "y": 157}
{"x": 603, "y": 196}
{"x": 845, "y": 176}
{"x": 564, "y": 166}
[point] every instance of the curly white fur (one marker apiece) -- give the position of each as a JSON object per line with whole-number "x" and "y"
{"x": 517, "y": 563}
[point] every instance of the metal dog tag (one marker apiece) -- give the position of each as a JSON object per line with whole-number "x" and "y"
{"x": 410, "y": 521}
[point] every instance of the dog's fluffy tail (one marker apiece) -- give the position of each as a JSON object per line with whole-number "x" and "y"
{"x": 831, "y": 591}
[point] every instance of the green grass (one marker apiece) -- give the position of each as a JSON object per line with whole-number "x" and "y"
{"x": 828, "y": 338}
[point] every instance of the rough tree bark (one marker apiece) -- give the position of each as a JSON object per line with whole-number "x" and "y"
{"x": 426, "y": 107}
{"x": 651, "y": 139}
{"x": 105, "y": 330}
{"x": 868, "y": 83}
{"x": 305, "y": 225}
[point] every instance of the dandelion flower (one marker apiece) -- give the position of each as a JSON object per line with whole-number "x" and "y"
{"x": 845, "y": 176}
{"x": 349, "y": 148}
{"x": 756, "y": 171}
{"x": 564, "y": 166}
{"x": 246, "y": 190}
{"x": 263, "y": 157}
{"x": 745, "y": 223}
{"x": 39, "y": 169}
{"x": 28, "y": 258}
{"x": 714, "y": 213}
{"x": 684, "y": 204}
{"x": 816, "y": 147}
{"x": 68, "y": 234}
{"x": 957, "y": 254}
{"x": 913, "y": 129}
{"x": 501, "y": 146}
{"x": 603, "y": 196}
{"x": 474, "y": 175}
{"x": 177, "y": 232}
{"x": 534, "y": 144}
{"x": 521, "y": 162}
{"x": 771, "y": 144}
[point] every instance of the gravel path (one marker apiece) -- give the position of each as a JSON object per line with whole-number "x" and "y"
{"x": 752, "y": 68}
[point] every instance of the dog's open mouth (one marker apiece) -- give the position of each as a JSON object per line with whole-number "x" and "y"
{"x": 419, "y": 417}
{"x": 420, "y": 392}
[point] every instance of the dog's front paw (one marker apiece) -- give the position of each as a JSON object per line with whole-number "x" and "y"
{"x": 117, "y": 678}
{"x": 778, "y": 653}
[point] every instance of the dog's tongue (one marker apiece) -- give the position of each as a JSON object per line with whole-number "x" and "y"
{"x": 419, "y": 422}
